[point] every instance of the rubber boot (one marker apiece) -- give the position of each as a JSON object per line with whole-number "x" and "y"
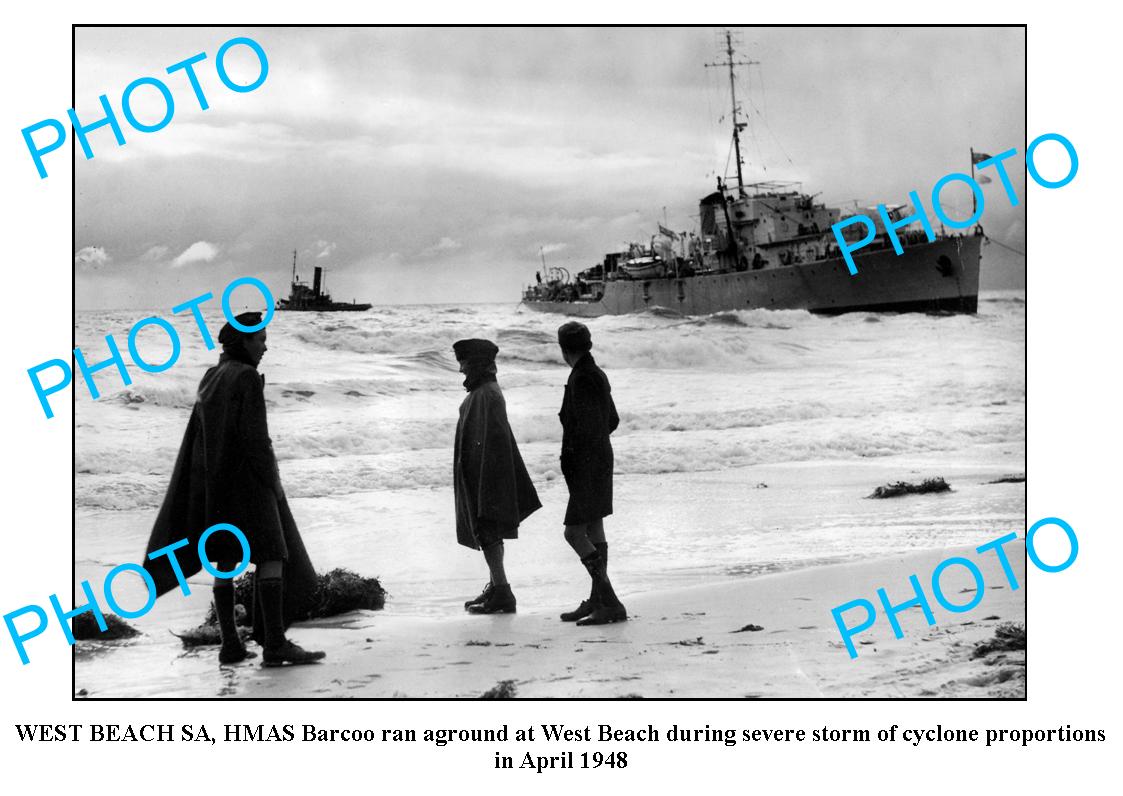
{"x": 232, "y": 650}
{"x": 586, "y": 606}
{"x": 481, "y": 598}
{"x": 608, "y": 609}
{"x": 499, "y": 601}
{"x": 278, "y": 649}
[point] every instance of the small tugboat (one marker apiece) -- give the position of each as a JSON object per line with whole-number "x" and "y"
{"x": 768, "y": 245}
{"x": 315, "y": 298}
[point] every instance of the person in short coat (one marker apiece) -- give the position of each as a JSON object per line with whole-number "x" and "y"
{"x": 588, "y": 417}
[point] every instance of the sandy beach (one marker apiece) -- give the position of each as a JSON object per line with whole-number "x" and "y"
{"x": 679, "y": 643}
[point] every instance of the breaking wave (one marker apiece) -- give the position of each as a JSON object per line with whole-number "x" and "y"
{"x": 369, "y": 402}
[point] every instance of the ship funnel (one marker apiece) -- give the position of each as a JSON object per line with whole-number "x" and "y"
{"x": 316, "y": 281}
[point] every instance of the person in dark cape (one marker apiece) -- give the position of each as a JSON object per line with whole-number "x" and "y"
{"x": 491, "y": 486}
{"x": 588, "y": 416}
{"x": 226, "y": 472}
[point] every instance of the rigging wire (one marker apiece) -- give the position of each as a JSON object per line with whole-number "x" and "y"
{"x": 753, "y": 137}
{"x": 768, "y": 127}
{"x": 1003, "y": 245}
{"x": 763, "y": 93}
{"x": 728, "y": 158}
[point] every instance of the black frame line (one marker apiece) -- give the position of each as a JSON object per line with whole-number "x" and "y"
{"x": 74, "y": 28}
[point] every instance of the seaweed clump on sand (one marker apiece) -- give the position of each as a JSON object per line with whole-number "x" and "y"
{"x": 207, "y": 634}
{"x": 899, "y": 488}
{"x": 504, "y": 689}
{"x": 85, "y": 628}
{"x": 341, "y": 590}
{"x": 1008, "y": 637}
{"x": 1010, "y": 479}
{"x": 337, "y": 592}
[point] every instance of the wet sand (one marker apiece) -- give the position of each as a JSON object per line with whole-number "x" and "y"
{"x": 679, "y": 643}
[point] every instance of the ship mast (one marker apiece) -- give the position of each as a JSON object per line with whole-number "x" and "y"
{"x": 738, "y": 125}
{"x": 294, "y": 266}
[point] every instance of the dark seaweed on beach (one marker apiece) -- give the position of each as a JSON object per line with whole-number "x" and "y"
{"x": 243, "y": 602}
{"x": 688, "y": 643}
{"x": 1009, "y": 479}
{"x": 207, "y": 635}
{"x": 905, "y": 488}
{"x": 337, "y": 592}
{"x": 341, "y": 590}
{"x": 85, "y": 628}
{"x": 748, "y": 629}
{"x": 1008, "y": 637}
{"x": 504, "y": 689}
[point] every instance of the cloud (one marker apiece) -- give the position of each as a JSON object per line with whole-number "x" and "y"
{"x": 91, "y": 256}
{"x": 247, "y": 142}
{"x": 325, "y": 249}
{"x": 445, "y": 244}
{"x": 155, "y": 254}
{"x": 200, "y": 252}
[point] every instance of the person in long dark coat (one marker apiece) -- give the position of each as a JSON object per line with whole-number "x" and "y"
{"x": 226, "y": 472}
{"x": 588, "y": 417}
{"x": 491, "y": 487}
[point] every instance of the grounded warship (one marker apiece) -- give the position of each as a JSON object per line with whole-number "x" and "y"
{"x": 314, "y": 298}
{"x": 766, "y": 245}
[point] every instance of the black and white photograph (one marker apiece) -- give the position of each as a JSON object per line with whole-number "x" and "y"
{"x": 555, "y": 362}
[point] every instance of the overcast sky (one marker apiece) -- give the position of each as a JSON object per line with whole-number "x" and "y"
{"x": 431, "y": 165}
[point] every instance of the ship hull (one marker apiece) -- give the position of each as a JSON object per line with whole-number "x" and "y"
{"x": 335, "y": 308}
{"x": 938, "y": 276}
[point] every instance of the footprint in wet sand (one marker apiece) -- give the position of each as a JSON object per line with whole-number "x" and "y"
{"x": 983, "y": 680}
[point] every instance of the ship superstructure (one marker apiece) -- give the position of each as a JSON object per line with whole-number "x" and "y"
{"x": 769, "y": 245}
{"x": 314, "y": 297}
